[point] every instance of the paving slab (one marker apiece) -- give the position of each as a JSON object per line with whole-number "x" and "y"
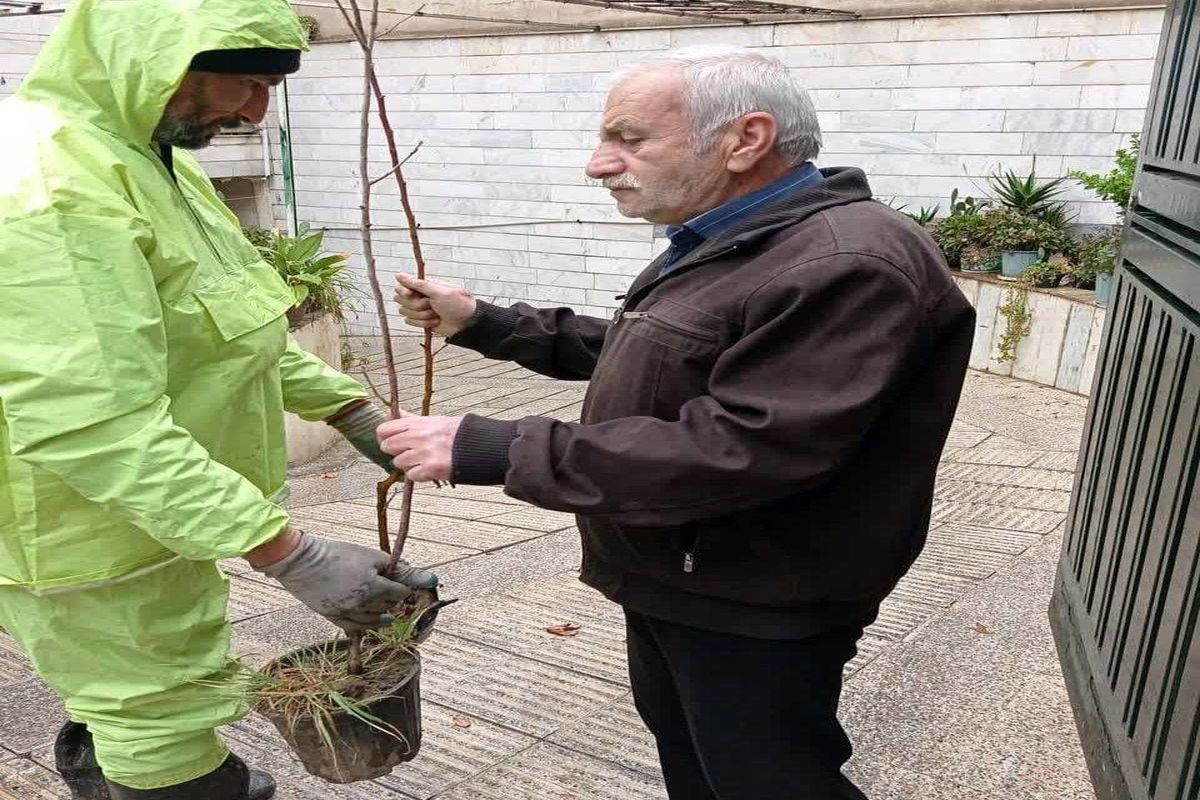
{"x": 615, "y": 733}
{"x": 935, "y": 588}
{"x": 998, "y": 456}
{"x": 979, "y": 537}
{"x": 889, "y": 782}
{"x": 596, "y": 648}
{"x": 977, "y": 493}
{"x": 955, "y": 702}
{"x": 455, "y": 747}
{"x": 14, "y": 665}
{"x": 1021, "y": 519}
{"x": 567, "y": 594}
{"x": 549, "y": 772}
{"x": 25, "y": 779}
{"x": 32, "y": 716}
{"x": 544, "y": 558}
{"x": 519, "y": 693}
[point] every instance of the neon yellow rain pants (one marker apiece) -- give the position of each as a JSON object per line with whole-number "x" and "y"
{"x": 145, "y": 367}
{"x": 139, "y": 661}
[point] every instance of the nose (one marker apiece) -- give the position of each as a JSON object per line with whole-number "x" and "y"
{"x": 605, "y": 161}
{"x": 255, "y": 108}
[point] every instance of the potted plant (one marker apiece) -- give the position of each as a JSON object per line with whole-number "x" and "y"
{"x": 344, "y": 724}
{"x": 1116, "y": 185}
{"x": 1098, "y": 256}
{"x": 924, "y": 216}
{"x": 315, "y": 277}
{"x": 1026, "y": 195}
{"x": 1095, "y": 259}
{"x": 961, "y": 235}
{"x": 1021, "y": 239}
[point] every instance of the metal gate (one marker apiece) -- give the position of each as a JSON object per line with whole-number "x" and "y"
{"x": 1127, "y": 598}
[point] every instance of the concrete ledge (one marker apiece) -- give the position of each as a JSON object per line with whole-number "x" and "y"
{"x": 1062, "y": 345}
{"x": 321, "y": 336}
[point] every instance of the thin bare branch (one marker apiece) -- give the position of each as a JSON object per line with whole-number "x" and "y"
{"x": 382, "y": 501}
{"x": 404, "y": 161}
{"x": 354, "y": 29}
{"x": 371, "y": 385}
{"x": 393, "y": 395}
{"x": 366, "y": 40}
{"x": 374, "y": 22}
{"x": 390, "y": 30}
{"x": 371, "y": 88}
{"x": 402, "y": 529}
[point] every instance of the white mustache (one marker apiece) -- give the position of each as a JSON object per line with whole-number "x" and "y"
{"x": 623, "y": 181}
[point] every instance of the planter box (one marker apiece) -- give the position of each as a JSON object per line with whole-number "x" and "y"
{"x": 1063, "y": 343}
{"x": 321, "y": 336}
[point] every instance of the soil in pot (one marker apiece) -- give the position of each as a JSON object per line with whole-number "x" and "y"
{"x": 345, "y": 727}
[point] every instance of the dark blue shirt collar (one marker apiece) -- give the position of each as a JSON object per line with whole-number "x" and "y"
{"x": 693, "y": 233}
{"x": 716, "y": 221}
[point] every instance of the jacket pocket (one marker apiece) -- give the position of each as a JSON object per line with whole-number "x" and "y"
{"x": 246, "y": 300}
{"x": 675, "y": 334}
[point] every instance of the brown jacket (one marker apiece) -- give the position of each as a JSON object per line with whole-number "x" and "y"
{"x": 760, "y": 436}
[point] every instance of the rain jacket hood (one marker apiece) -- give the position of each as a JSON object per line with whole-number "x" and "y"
{"x": 145, "y": 362}
{"x": 116, "y": 63}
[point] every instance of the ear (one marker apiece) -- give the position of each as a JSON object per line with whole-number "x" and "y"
{"x": 750, "y": 139}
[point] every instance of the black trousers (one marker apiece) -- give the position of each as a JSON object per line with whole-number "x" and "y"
{"x": 737, "y": 718}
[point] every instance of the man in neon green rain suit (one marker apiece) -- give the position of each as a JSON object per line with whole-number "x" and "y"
{"x": 145, "y": 366}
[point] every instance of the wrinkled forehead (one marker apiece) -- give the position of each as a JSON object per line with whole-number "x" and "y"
{"x": 647, "y": 95}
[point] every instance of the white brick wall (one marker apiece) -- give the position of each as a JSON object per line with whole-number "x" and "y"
{"x": 925, "y": 106}
{"x": 20, "y": 39}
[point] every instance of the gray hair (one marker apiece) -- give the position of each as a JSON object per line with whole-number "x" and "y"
{"x": 722, "y": 84}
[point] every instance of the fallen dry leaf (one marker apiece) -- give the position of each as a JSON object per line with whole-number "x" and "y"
{"x": 979, "y": 627}
{"x": 459, "y": 721}
{"x": 565, "y": 629}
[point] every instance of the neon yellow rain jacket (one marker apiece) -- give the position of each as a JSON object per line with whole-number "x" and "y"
{"x": 145, "y": 363}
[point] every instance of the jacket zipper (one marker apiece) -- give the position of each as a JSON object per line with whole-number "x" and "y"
{"x": 200, "y": 228}
{"x": 634, "y": 297}
{"x": 688, "y": 540}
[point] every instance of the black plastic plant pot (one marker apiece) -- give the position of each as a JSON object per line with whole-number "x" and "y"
{"x": 357, "y": 749}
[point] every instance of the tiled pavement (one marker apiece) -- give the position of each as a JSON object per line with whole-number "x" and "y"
{"x": 955, "y": 694}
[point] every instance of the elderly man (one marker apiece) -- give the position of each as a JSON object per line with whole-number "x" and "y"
{"x": 145, "y": 366}
{"x": 754, "y": 467}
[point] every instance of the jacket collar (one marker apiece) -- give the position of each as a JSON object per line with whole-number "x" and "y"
{"x": 842, "y": 186}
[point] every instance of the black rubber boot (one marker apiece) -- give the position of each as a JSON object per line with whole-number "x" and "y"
{"x": 75, "y": 760}
{"x": 233, "y": 780}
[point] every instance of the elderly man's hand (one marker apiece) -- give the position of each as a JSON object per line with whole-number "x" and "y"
{"x": 445, "y": 310}
{"x": 423, "y": 446}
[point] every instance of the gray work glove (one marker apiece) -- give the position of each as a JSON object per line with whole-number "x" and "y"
{"x": 344, "y": 582}
{"x": 357, "y": 421}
